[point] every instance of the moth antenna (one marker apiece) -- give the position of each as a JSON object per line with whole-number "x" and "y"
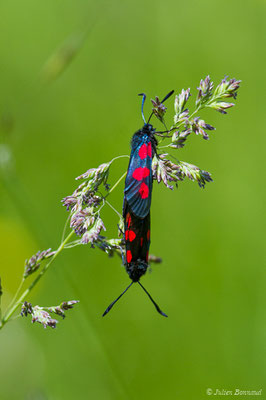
{"x": 155, "y": 304}
{"x": 165, "y": 98}
{"x": 142, "y": 105}
{"x": 111, "y": 305}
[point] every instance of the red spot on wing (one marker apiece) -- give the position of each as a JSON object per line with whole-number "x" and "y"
{"x": 141, "y": 173}
{"x": 129, "y": 256}
{"x": 144, "y": 191}
{"x": 145, "y": 150}
{"x": 141, "y": 242}
{"x": 130, "y": 235}
{"x": 148, "y": 235}
{"x": 147, "y": 256}
{"x": 149, "y": 149}
{"x": 128, "y": 219}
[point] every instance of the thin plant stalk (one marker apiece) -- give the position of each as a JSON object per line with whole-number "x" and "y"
{"x": 116, "y": 184}
{"x": 13, "y": 306}
{"x": 36, "y": 280}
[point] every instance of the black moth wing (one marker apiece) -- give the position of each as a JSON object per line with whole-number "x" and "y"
{"x": 138, "y": 184}
{"x": 137, "y": 236}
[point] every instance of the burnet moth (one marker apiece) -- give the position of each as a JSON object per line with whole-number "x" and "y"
{"x": 137, "y": 203}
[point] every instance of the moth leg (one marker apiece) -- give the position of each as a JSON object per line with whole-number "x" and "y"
{"x": 122, "y": 255}
{"x": 120, "y": 230}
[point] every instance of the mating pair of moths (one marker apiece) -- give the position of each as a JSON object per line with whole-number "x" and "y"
{"x": 137, "y": 203}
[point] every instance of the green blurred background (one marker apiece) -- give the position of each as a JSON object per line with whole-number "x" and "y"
{"x": 58, "y": 120}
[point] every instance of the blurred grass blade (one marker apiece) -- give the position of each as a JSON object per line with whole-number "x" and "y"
{"x": 62, "y": 57}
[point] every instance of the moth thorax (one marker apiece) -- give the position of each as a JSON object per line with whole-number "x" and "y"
{"x": 148, "y": 128}
{"x": 136, "y": 269}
